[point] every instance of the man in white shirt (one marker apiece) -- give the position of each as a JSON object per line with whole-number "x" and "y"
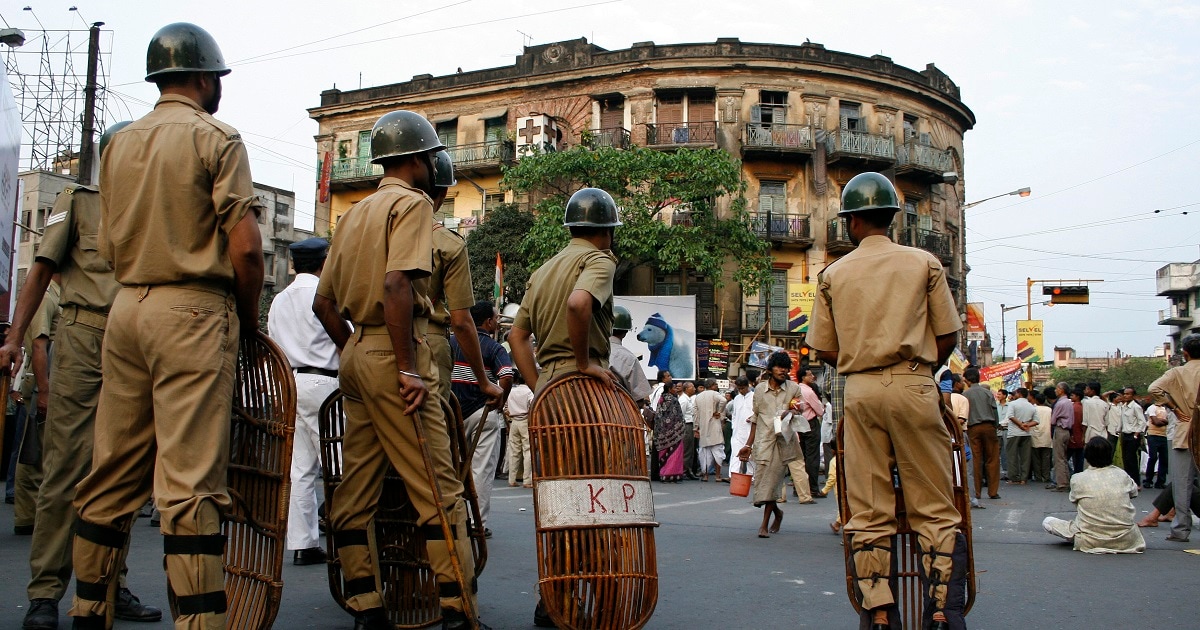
{"x": 743, "y": 417}
{"x": 292, "y": 324}
{"x": 1022, "y": 418}
{"x": 687, "y": 404}
{"x": 1094, "y": 410}
{"x": 1002, "y": 433}
{"x": 1133, "y": 425}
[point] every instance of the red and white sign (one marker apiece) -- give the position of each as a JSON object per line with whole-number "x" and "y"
{"x": 599, "y": 501}
{"x": 326, "y": 174}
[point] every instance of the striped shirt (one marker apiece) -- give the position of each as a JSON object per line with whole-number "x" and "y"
{"x": 496, "y": 364}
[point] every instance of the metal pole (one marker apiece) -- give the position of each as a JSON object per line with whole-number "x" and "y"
{"x": 86, "y": 146}
{"x": 1003, "y": 335}
{"x": 1028, "y": 298}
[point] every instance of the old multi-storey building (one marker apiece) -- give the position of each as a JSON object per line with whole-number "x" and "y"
{"x": 802, "y": 119}
{"x": 1180, "y": 284}
{"x": 40, "y": 188}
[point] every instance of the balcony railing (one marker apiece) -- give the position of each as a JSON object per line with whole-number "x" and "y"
{"x": 846, "y": 143}
{"x": 778, "y": 137}
{"x": 481, "y": 154}
{"x": 346, "y": 169}
{"x": 778, "y": 226}
{"x": 837, "y": 239}
{"x": 1177, "y": 315}
{"x": 912, "y": 156}
{"x": 953, "y": 283}
{"x": 664, "y": 134}
{"x": 754, "y": 316}
{"x": 933, "y": 242}
{"x": 615, "y": 137}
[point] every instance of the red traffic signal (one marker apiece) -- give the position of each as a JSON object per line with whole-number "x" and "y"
{"x": 1066, "y": 294}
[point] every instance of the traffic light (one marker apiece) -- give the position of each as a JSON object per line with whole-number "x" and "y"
{"x": 1071, "y": 294}
{"x": 805, "y": 357}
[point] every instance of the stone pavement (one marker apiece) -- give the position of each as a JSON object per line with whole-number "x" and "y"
{"x": 715, "y": 572}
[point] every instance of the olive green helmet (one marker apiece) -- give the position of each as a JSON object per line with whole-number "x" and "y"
{"x": 183, "y": 47}
{"x": 868, "y": 191}
{"x": 622, "y": 320}
{"x": 443, "y": 169}
{"x": 591, "y": 207}
{"x": 108, "y": 133}
{"x": 402, "y": 133}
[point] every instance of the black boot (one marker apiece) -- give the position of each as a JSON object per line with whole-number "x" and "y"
{"x": 541, "y": 618}
{"x": 455, "y": 620}
{"x": 130, "y": 608}
{"x": 372, "y": 619}
{"x": 939, "y": 625}
{"x": 42, "y": 615}
{"x": 88, "y": 623}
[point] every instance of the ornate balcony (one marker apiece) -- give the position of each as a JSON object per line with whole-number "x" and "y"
{"x": 783, "y": 228}
{"x": 777, "y": 140}
{"x": 837, "y": 239}
{"x": 615, "y": 137}
{"x": 355, "y": 172}
{"x": 482, "y": 156}
{"x": 844, "y": 144}
{"x": 691, "y": 134}
{"x": 933, "y": 242}
{"x": 923, "y": 161}
{"x": 754, "y": 316}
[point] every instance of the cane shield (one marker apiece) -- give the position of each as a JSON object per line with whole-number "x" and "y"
{"x": 597, "y": 565}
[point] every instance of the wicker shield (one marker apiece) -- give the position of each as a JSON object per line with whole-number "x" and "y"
{"x": 906, "y": 552}
{"x": 1193, "y": 434}
{"x": 260, "y": 443}
{"x": 410, "y": 590}
{"x": 597, "y": 565}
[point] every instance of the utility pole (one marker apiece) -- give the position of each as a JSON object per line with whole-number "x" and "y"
{"x": 86, "y": 144}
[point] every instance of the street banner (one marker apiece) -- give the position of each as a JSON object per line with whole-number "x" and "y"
{"x": 1006, "y": 376}
{"x": 976, "y": 331}
{"x": 801, "y": 296}
{"x": 958, "y": 361}
{"x": 664, "y": 333}
{"x": 1029, "y": 340}
{"x": 11, "y": 192}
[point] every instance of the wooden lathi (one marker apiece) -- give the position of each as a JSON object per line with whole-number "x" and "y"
{"x": 260, "y": 464}
{"x": 410, "y": 590}
{"x": 906, "y": 555}
{"x": 597, "y": 565}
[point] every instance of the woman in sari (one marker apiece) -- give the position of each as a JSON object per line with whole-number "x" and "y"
{"x": 668, "y": 435}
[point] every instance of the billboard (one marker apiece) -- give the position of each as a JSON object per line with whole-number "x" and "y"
{"x": 1029, "y": 340}
{"x": 10, "y": 158}
{"x": 664, "y": 333}
{"x": 976, "y": 331}
{"x": 801, "y": 296}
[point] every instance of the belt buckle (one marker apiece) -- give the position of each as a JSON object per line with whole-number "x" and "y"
{"x": 913, "y": 367}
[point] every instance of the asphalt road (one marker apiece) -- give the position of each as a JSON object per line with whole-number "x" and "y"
{"x": 715, "y": 573}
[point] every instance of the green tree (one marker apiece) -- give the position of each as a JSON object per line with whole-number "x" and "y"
{"x": 501, "y": 231}
{"x": 646, "y": 184}
{"x": 1136, "y": 372}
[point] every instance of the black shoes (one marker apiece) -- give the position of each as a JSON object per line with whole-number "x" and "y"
{"x": 456, "y": 620}
{"x": 541, "y": 618}
{"x": 305, "y": 557}
{"x": 22, "y": 530}
{"x": 88, "y": 623}
{"x": 372, "y": 619}
{"x": 129, "y": 608}
{"x": 42, "y": 615}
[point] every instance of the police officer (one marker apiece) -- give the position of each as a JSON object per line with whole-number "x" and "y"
{"x": 885, "y": 317}
{"x": 314, "y": 359}
{"x": 68, "y": 248}
{"x": 377, "y": 277}
{"x": 568, "y": 305}
{"x": 179, "y": 223}
{"x": 452, "y": 294}
{"x": 621, "y": 361}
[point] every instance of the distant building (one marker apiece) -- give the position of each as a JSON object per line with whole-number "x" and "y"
{"x": 1065, "y": 357}
{"x": 40, "y": 188}
{"x": 1180, "y": 284}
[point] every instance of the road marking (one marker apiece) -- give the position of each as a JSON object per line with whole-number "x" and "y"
{"x": 1014, "y": 517}
{"x": 743, "y": 510}
{"x": 684, "y": 503}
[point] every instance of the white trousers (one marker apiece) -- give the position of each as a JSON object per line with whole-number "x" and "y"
{"x": 311, "y": 391}
{"x": 487, "y": 455}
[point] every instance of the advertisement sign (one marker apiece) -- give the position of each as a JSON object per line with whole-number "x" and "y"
{"x": 976, "y": 331}
{"x": 714, "y": 357}
{"x": 10, "y": 196}
{"x": 664, "y": 333}
{"x": 326, "y": 174}
{"x": 1029, "y": 340}
{"x": 1006, "y": 376}
{"x": 801, "y": 296}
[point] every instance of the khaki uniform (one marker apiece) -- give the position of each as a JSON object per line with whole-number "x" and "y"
{"x": 88, "y": 289}
{"x": 388, "y": 231}
{"x": 173, "y": 185}
{"x": 580, "y": 265}
{"x": 881, "y": 308}
{"x": 29, "y": 477}
{"x": 1178, "y": 386}
{"x": 450, "y": 289}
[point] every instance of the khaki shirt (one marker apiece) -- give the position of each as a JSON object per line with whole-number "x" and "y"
{"x": 882, "y": 304}
{"x": 173, "y": 184}
{"x": 580, "y": 265}
{"x": 70, "y": 243}
{"x": 387, "y": 231}
{"x": 450, "y": 285}
{"x": 1178, "y": 386}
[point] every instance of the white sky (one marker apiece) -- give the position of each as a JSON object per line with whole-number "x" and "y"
{"x": 1084, "y": 102}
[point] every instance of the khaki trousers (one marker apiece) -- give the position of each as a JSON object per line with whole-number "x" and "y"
{"x": 162, "y": 426}
{"x": 439, "y": 347}
{"x": 520, "y": 466}
{"x": 1062, "y": 476}
{"x": 27, "y": 478}
{"x": 378, "y": 433}
{"x": 892, "y": 419}
{"x": 66, "y": 452}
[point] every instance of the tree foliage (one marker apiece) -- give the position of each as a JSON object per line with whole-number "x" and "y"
{"x": 501, "y": 231}
{"x": 1137, "y": 373}
{"x": 647, "y": 184}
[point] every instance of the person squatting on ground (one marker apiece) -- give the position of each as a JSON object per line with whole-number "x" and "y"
{"x": 885, "y": 316}
{"x": 376, "y": 277}
{"x": 1103, "y": 495}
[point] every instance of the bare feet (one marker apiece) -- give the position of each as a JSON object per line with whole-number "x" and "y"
{"x": 836, "y": 526}
{"x": 1169, "y": 516}
{"x": 1148, "y": 522}
{"x": 775, "y": 523}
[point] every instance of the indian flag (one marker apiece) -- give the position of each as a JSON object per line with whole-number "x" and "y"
{"x": 498, "y": 287}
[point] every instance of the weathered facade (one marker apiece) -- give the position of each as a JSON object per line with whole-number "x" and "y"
{"x": 802, "y": 119}
{"x": 1180, "y": 284}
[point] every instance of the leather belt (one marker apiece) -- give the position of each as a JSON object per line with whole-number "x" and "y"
{"x": 85, "y": 316}
{"x": 305, "y": 369}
